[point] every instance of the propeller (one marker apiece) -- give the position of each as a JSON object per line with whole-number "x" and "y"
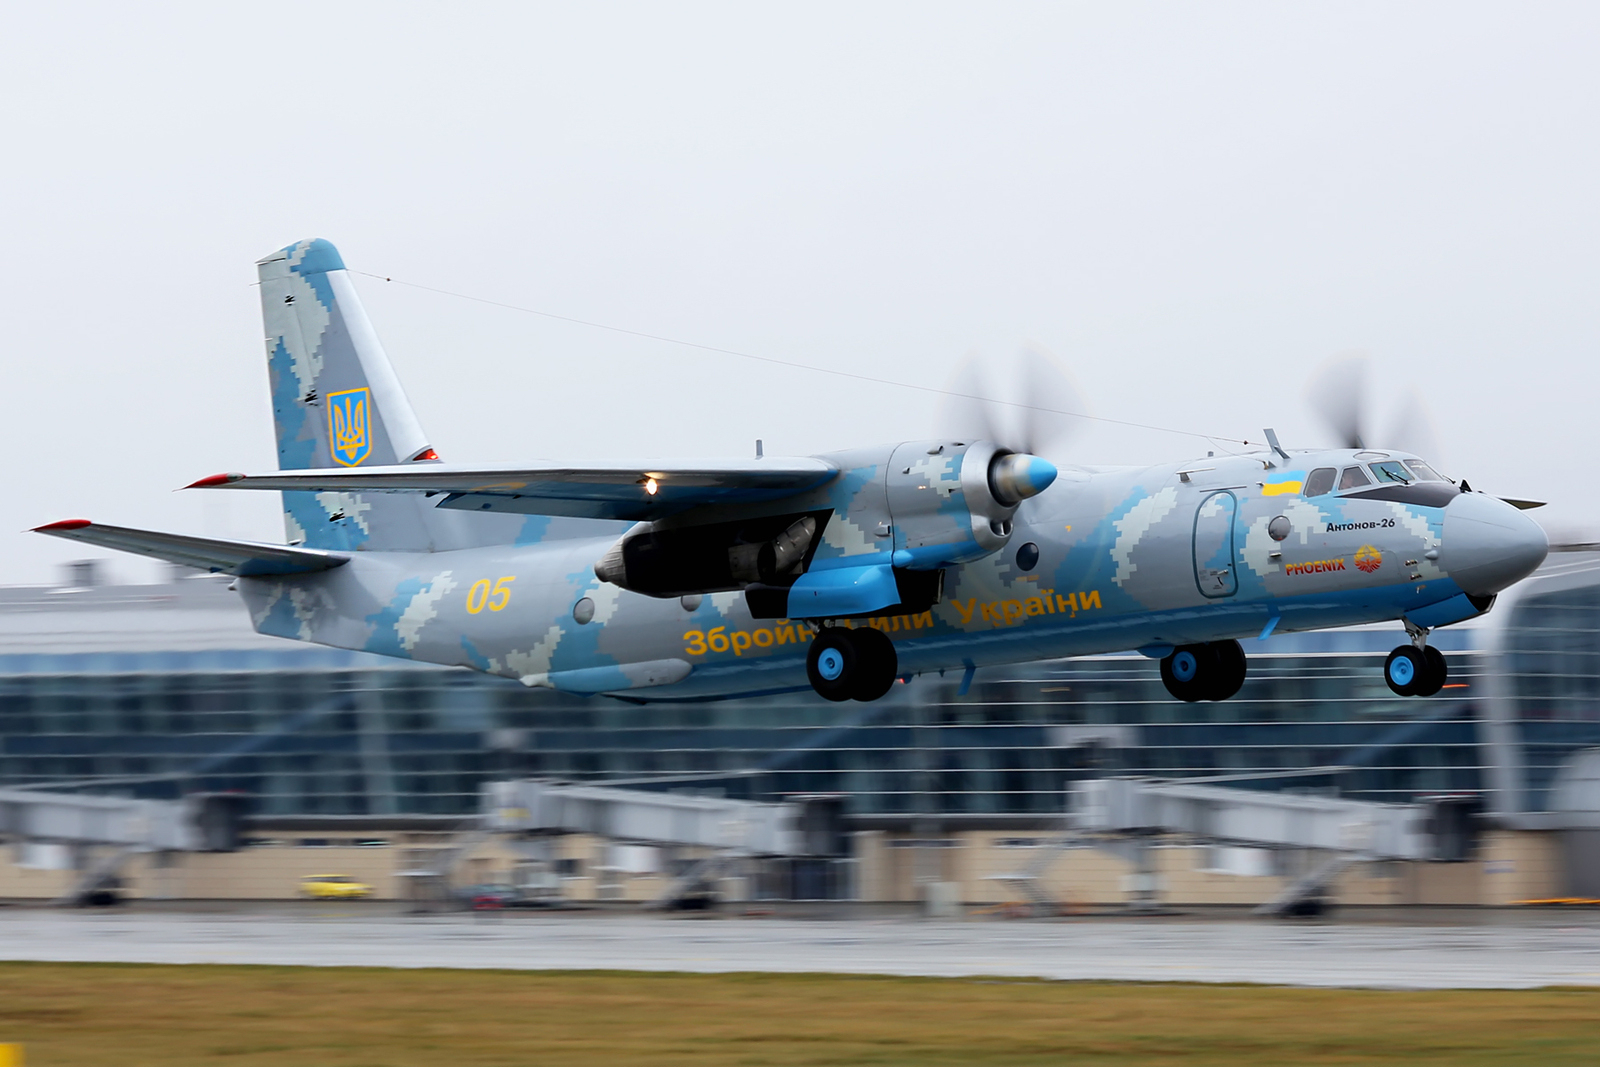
{"x": 1027, "y": 404}
{"x": 1338, "y": 393}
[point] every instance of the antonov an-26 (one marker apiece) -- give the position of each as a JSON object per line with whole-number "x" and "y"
{"x": 684, "y": 580}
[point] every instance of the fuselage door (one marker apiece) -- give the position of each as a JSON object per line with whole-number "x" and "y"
{"x": 1213, "y": 546}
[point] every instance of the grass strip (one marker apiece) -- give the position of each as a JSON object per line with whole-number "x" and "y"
{"x": 133, "y": 1014}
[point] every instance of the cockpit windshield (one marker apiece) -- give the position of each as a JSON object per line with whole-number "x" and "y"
{"x": 1423, "y": 472}
{"x": 1321, "y": 481}
{"x": 1353, "y": 478}
{"x": 1392, "y": 471}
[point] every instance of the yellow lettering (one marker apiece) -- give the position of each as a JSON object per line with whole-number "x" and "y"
{"x": 477, "y": 596}
{"x": 785, "y": 634}
{"x": 1049, "y": 600}
{"x": 993, "y": 615}
{"x": 741, "y": 641}
{"x": 762, "y": 638}
{"x": 1088, "y": 600}
{"x": 925, "y": 619}
{"x": 1067, "y": 603}
{"x": 697, "y": 643}
{"x": 966, "y": 612}
{"x": 1035, "y": 606}
{"x": 718, "y": 640}
{"x": 1013, "y": 611}
{"x": 502, "y": 593}
{"x": 879, "y": 622}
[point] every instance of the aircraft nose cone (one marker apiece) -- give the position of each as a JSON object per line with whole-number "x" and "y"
{"x": 1017, "y": 476}
{"x": 1489, "y": 545}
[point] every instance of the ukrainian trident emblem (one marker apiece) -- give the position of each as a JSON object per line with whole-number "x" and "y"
{"x": 349, "y": 426}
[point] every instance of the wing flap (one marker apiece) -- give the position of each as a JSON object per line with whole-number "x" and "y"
{"x": 248, "y": 559}
{"x": 634, "y": 491}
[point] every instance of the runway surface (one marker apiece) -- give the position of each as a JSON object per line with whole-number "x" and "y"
{"x": 1548, "y": 950}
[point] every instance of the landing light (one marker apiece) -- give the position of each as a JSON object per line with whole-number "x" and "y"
{"x": 650, "y": 486}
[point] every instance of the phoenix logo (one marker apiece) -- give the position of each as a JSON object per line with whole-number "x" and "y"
{"x": 349, "y": 426}
{"x": 1368, "y": 559}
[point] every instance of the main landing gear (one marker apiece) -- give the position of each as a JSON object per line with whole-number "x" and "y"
{"x": 1417, "y": 669}
{"x": 1212, "y": 671}
{"x": 846, "y": 664}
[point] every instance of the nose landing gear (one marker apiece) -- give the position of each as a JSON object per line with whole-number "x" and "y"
{"x": 1212, "y": 671}
{"x": 1415, "y": 672}
{"x": 848, "y": 664}
{"x": 1417, "y": 669}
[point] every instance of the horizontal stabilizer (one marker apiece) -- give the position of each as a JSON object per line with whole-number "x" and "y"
{"x": 603, "y": 491}
{"x": 248, "y": 559}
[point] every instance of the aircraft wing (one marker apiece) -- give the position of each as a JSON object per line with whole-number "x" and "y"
{"x": 631, "y": 491}
{"x": 249, "y": 559}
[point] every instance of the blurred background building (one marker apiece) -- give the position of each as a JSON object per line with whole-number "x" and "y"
{"x": 164, "y": 691}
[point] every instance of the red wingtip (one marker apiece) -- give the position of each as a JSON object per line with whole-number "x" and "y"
{"x": 426, "y": 453}
{"x": 64, "y": 524}
{"x": 214, "y": 480}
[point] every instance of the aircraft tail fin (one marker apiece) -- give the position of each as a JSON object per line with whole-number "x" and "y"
{"x": 336, "y": 402}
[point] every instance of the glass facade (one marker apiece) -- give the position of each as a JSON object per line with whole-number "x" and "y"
{"x": 182, "y": 697}
{"x": 1552, "y": 665}
{"x": 311, "y": 731}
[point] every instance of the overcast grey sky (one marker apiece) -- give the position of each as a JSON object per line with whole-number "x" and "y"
{"x": 1191, "y": 205}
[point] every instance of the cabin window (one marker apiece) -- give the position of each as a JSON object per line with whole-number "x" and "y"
{"x": 1353, "y": 478}
{"x": 1423, "y": 472}
{"x": 1392, "y": 471}
{"x": 1321, "y": 481}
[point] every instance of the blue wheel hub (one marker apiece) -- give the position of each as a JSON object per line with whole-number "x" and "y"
{"x": 1402, "y": 670}
{"x": 830, "y": 664}
{"x": 1185, "y": 666}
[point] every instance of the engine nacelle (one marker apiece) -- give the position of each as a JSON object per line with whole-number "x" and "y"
{"x": 953, "y": 503}
{"x": 710, "y": 558}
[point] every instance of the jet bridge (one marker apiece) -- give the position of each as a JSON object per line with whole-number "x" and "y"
{"x": 104, "y": 831}
{"x": 1124, "y": 815}
{"x": 731, "y": 829}
{"x": 1254, "y": 817}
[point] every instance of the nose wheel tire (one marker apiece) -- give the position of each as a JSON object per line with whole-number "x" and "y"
{"x": 1231, "y": 669}
{"x": 1414, "y": 672}
{"x": 877, "y": 664}
{"x": 1438, "y": 671}
{"x": 1212, "y": 671}
{"x": 851, "y": 664}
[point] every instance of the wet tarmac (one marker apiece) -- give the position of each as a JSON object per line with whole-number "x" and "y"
{"x": 1469, "y": 950}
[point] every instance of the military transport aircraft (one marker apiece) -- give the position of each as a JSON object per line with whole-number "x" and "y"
{"x": 665, "y": 579}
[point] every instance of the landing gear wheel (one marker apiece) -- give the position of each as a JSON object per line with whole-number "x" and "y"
{"x": 1406, "y": 671}
{"x": 831, "y": 664}
{"x": 1190, "y": 672}
{"x": 876, "y": 664}
{"x": 1231, "y": 669}
{"x": 1437, "y": 672}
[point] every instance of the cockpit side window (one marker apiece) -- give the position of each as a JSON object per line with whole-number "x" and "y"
{"x": 1320, "y": 482}
{"x": 1392, "y": 471}
{"x": 1354, "y": 478}
{"x": 1423, "y": 472}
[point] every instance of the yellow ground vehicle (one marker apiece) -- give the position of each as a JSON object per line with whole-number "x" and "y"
{"x": 333, "y": 887}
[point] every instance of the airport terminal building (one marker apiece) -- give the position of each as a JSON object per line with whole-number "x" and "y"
{"x": 161, "y": 691}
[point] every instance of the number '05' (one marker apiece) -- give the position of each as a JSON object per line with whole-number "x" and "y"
{"x": 481, "y": 595}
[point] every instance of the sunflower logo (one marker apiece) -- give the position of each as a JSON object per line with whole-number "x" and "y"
{"x": 1368, "y": 559}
